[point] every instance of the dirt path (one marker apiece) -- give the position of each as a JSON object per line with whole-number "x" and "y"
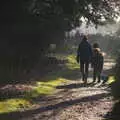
{"x": 71, "y": 101}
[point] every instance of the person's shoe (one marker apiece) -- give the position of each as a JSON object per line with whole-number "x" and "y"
{"x": 94, "y": 81}
{"x": 98, "y": 81}
{"x": 103, "y": 82}
{"x": 83, "y": 79}
{"x": 85, "y": 84}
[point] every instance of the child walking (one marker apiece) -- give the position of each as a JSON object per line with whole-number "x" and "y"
{"x": 97, "y": 62}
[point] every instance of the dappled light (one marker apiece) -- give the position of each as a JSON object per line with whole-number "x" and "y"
{"x": 15, "y": 104}
{"x": 45, "y": 88}
{"x": 72, "y": 64}
{"x": 58, "y": 85}
{"x": 59, "y": 59}
{"x": 111, "y": 79}
{"x": 24, "y": 103}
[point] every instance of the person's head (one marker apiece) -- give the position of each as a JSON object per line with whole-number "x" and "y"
{"x": 84, "y": 38}
{"x": 95, "y": 45}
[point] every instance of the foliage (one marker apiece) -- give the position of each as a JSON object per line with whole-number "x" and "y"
{"x": 29, "y": 26}
{"x": 72, "y": 10}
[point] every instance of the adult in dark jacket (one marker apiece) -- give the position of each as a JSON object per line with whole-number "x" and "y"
{"x": 84, "y": 56}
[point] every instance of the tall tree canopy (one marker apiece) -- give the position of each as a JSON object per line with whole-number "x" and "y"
{"x": 27, "y": 27}
{"x": 72, "y": 10}
{"x": 63, "y": 10}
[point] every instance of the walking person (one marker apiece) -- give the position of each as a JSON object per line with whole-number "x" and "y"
{"x": 84, "y": 55}
{"x": 97, "y": 62}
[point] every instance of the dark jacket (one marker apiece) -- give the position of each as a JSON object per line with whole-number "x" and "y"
{"x": 84, "y": 52}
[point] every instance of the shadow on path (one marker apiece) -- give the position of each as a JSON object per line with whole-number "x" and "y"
{"x": 74, "y": 85}
{"x": 61, "y": 105}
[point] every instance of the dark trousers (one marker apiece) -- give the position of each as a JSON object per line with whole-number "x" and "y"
{"x": 96, "y": 75}
{"x": 84, "y": 65}
{"x": 97, "y": 72}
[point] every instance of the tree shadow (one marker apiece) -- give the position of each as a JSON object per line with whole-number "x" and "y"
{"x": 66, "y": 74}
{"x": 114, "y": 114}
{"x": 61, "y": 105}
{"x": 76, "y": 75}
{"x": 75, "y": 86}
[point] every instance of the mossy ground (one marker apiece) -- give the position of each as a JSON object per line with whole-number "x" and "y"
{"x": 46, "y": 86}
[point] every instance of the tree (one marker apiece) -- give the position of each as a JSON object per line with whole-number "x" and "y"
{"x": 29, "y": 26}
